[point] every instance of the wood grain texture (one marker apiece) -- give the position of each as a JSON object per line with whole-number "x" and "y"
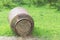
{"x": 22, "y": 24}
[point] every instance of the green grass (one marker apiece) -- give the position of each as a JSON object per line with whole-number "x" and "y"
{"x": 47, "y": 22}
{"x": 4, "y": 25}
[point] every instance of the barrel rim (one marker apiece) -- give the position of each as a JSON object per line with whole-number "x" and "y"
{"x": 21, "y": 20}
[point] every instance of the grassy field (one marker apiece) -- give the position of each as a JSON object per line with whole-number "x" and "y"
{"x": 47, "y": 22}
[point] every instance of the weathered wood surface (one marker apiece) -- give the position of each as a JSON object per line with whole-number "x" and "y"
{"x": 20, "y": 21}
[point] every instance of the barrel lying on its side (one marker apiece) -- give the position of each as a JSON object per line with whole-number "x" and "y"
{"x": 21, "y": 22}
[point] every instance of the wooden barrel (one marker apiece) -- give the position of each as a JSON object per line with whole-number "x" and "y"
{"x": 20, "y": 21}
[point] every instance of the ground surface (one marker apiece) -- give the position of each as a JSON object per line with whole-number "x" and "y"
{"x": 47, "y": 22}
{"x": 21, "y": 38}
{"x": 17, "y": 38}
